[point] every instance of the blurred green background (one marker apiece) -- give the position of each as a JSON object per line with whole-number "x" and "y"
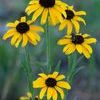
{"x": 13, "y": 80}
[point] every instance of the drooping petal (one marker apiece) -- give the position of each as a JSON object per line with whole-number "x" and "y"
{"x": 14, "y": 38}
{"x": 52, "y": 16}
{"x": 76, "y": 25}
{"x": 88, "y": 47}
{"x": 60, "y": 91}
{"x": 49, "y": 93}
{"x": 37, "y": 13}
{"x": 62, "y": 25}
{"x": 25, "y": 40}
{"x": 77, "y": 18}
{"x": 79, "y": 48}
{"x": 54, "y": 94}
{"x": 86, "y": 53}
{"x": 69, "y": 27}
{"x": 32, "y": 8}
{"x": 71, "y": 49}
{"x": 18, "y": 41}
{"x": 42, "y": 93}
{"x": 44, "y": 16}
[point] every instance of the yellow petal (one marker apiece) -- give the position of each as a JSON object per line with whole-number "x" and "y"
{"x": 43, "y": 75}
{"x": 14, "y": 38}
{"x": 42, "y": 93}
{"x": 24, "y": 98}
{"x": 80, "y": 13}
{"x": 25, "y": 40}
{"x": 60, "y": 77}
{"x": 88, "y": 47}
{"x": 44, "y": 16}
{"x": 49, "y": 93}
{"x": 63, "y": 84}
{"x": 62, "y": 25}
{"x": 36, "y": 28}
{"x": 32, "y": 8}
{"x": 39, "y": 83}
{"x": 86, "y": 53}
{"x": 9, "y": 34}
{"x": 52, "y": 16}
{"x": 37, "y": 13}
{"x": 71, "y": 49}
{"x": 17, "y": 22}
{"x": 85, "y": 35}
{"x": 69, "y": 27}
{"x": 11, "y": 25}
{"x": 79, "y": 19}
{"x": 61, "y": 10}
{"x": 32, "y": 38}
{"x": 54, "y": 94}
{"x": 76, "y": 25}
{"x": 79, "y": 48}
{"x": 58, "y": 15}
{"x": 60, "y": 91}
{"x": 54, "y": 75}
{"x": 90, "y": 40}
{"x": 66, "y": 48}
{"x": 23, "y": 19}
{"x": 38, "y": 38}
{"x": 18, "y": 41}
{"x": 29, "y": 94}
{"x": 63, "y": 41}
{"x": 34, "y": 2}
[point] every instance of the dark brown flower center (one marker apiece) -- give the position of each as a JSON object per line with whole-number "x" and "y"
{"x": 47, "y": 3}
{"x": 51, "y": 82}
{"x": 77, "y": 39}
{"x": 70, "y": 14}
{"x": 22, "y": 27}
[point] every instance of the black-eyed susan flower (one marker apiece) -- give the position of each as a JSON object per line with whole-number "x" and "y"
{"x": 45, "y": 8}
{"x": 24, "y": 31}
{"x": 78, "y": 42}
{"x": 72, "y": 20}
{"x": 27, "y": 97}
{"x": 51, "y": 85}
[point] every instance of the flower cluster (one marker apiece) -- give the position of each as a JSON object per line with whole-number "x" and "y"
{"x": 59, "y": 13}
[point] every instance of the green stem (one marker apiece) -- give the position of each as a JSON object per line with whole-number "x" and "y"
{"x": 48, "y": 48}
{"x": 28, "y": 71}
{"x": 72, "y": 62}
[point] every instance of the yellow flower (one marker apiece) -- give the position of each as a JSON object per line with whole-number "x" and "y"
{"x": 78, "y": 42}
{"x": 51, "y": 84}
{"x": 45, "y": 8}
{"x": 28, "y": 97}
{"x": 23, "y": 31}
{"x": 73, "y": 18}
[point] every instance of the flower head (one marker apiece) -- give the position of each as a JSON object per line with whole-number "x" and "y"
{"x": 27, "y": 97}
{"x": 72, "y": 19}
{"x": 78, "y": 42}
{"x": 23, "y": 31}
{"x": 45, "y": 8}
{"x": 51, "y": 84}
